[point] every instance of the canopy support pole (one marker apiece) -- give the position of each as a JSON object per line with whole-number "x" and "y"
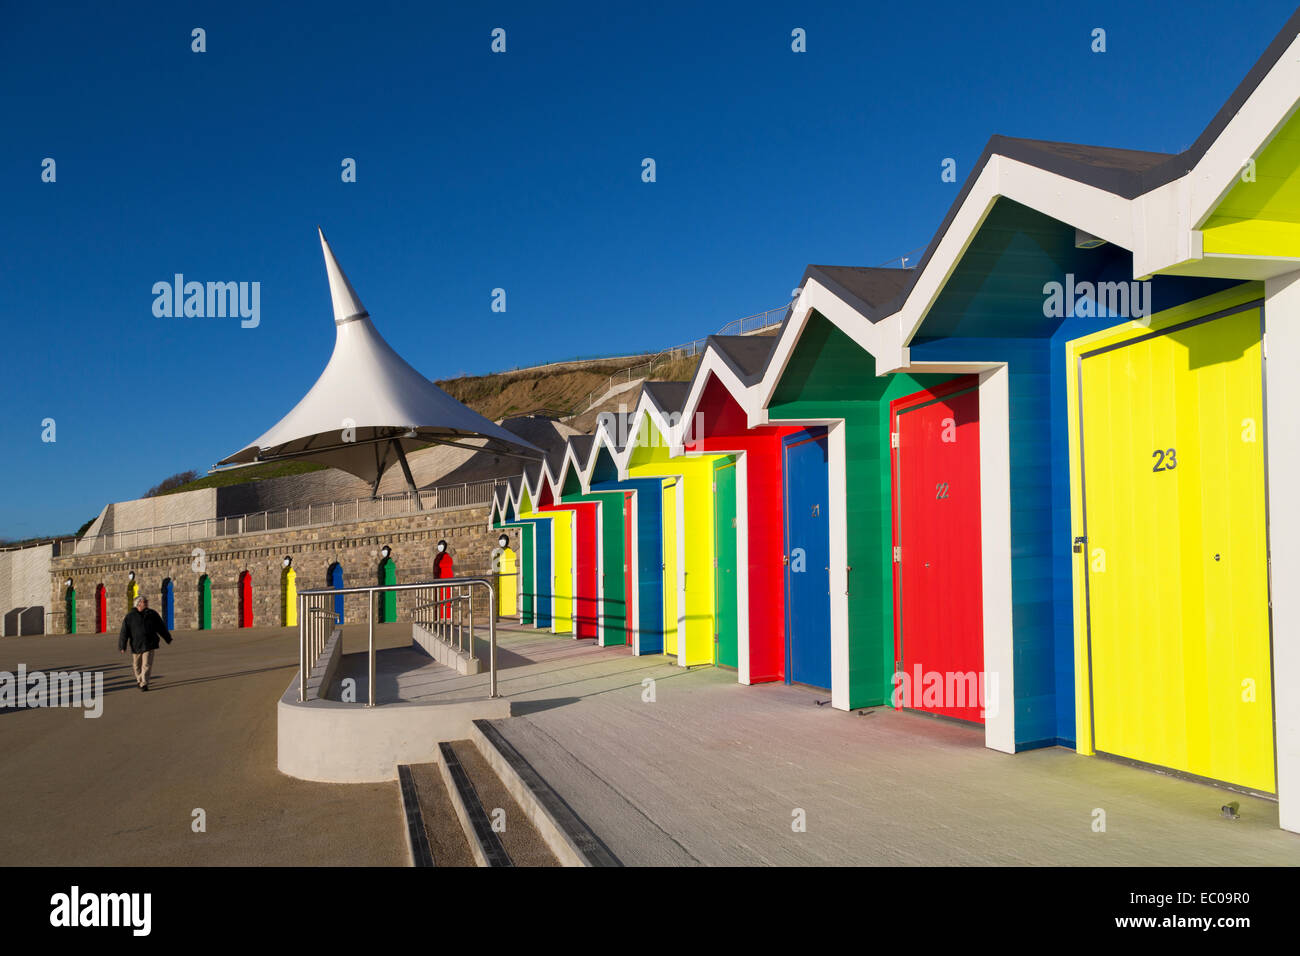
{"x": 406, "y": 470}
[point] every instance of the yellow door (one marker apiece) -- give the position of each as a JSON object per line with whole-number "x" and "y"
{"x": 508, "y": 584}
{"x": 1175, "y": 557}
{"x": 562, "y": 586}
{"x": 671, "y": 582}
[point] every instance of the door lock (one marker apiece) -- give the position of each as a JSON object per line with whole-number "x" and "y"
{"x": 1079, "y": 542}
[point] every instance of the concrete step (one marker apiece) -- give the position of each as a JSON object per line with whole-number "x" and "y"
{"x": 520, "y": 839}
{"x": 570, "y": 840}
{"x": 433, "y": 831}
{"x": 484, "y": 843}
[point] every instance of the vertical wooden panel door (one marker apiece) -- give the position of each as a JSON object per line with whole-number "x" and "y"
{"x": 1172, "y": 444}
{"x": 807, "y": 559}
{"x": 939, "y": 625}
{"x": 629, "y": 572}
{"x": 726, "y": 618}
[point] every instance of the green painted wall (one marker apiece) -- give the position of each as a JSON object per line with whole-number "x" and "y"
{"x": 830, "y": 376}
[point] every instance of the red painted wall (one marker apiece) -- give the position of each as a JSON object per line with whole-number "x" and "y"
{"x": 938, "y": 584}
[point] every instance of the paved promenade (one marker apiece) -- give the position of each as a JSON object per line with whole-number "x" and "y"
{"x": 121, "y": 789}
{"x": 708, "y": 773}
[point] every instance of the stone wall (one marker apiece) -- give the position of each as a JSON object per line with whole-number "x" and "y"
{"x": 356, "y": 547}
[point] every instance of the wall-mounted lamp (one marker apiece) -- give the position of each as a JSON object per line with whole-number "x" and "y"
{"x": 504, "y": 541}
{"x": 287, "y": 561}
{"x": 130, "y": 575}
{"x": 385, "y": 551}
{"x": 442, "y": 546}
{"x": 68, "y": 582}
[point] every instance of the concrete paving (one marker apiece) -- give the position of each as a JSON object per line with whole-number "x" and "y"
{"x": 710, "y": 772}
{"x": 121, "y": 789}
{"x": 715, "y": 773}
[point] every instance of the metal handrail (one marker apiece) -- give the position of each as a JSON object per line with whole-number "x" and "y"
{"x": 308, "y": 635}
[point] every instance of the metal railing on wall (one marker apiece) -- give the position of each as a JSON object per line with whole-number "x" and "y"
{"x": 441, "y": 498}
{"x": 443, "y": 597}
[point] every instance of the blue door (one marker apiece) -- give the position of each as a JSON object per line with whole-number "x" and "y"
{"x": 168, "y": 605}
{"x": 335, "y": 574}
{"x": 648, "y": 605}
{"x": 807, "y": 559}
{"x": 541, "y": 569}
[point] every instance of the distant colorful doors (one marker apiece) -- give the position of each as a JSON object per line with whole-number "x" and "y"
{"x": 101, "y": 610}
{"x": 442, "y": 568}
{"x": 726, "y": 619}
{"x": 245, "y": 599}
{"x": 70, "y": 608}
{"x": 334, "y": 579}
{"x": 168, "y": 604}
{"x": 807, "y": 559}
{"x": 507, "y": 583}
{"x": 387, "y": 600}
{"x": 939, "y": 620}
{"x": 205, "y": 603}
{"x": 1174, "y": 547}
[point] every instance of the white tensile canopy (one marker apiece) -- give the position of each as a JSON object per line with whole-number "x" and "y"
{"x": 369, "y": 407}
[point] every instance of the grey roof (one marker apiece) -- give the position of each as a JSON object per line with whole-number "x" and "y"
{"x": 669, "y": 397}
{"x": 582, "y": 446}
{"x": 871, "y": 287}
{"x": 534, "y": 474}
{"x": 746, "y": 355}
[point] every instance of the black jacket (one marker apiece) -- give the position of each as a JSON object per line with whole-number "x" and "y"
{"x": 143, "y": 631}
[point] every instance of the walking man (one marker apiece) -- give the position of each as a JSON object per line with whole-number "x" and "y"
{"x": 142, "y": 627}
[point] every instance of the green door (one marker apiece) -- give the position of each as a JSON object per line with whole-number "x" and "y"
{"x": 724, "y": 577}
{"x": 71, "y": 599}
{"x": 205, "y": 603}
{"x": 388, "y": 599}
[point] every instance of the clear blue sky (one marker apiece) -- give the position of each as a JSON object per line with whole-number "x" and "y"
{"x": 477, "y": 171}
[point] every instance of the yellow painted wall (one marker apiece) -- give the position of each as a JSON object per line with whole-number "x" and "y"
{"x": 1171, "y": 588}
{"x": 1260, "y": 214}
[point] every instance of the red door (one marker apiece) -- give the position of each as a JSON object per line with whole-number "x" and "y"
{"x": 938, "y": 585}
{"x": 442, "y": 568}
{"x": 629, "y": 576}
{"x": 245, "y": 600}
{"x": 101, "y": 610}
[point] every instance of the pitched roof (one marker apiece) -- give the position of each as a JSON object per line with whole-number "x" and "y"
{"x": 746, "y": 355}
{"x": 669, "y": 397}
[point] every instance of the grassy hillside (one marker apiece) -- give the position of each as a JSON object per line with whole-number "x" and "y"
{"x": 239, "y": 476}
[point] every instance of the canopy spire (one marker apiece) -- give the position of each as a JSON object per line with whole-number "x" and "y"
{"x": 347, "y": 306}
